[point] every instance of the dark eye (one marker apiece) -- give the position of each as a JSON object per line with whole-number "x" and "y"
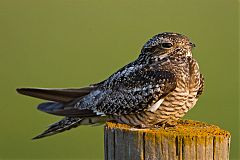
{"x": 167, "y": 45}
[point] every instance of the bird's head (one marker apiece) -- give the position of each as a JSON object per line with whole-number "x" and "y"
{"x": 168, "y": 44}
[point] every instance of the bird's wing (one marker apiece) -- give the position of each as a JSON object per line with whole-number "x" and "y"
{"x": 62, "y": 95}
{"x": 130, "y": 91}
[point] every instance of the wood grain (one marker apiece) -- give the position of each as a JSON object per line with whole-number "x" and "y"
{"x": 188, "y": 140}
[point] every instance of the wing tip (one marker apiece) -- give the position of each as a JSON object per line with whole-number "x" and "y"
{"x": 20, "y": 90}
{"x": 25, "y": 91}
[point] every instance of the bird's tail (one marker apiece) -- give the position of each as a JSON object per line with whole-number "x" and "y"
{"x": 64, "y": 105}
{"x": 68, "y": 123}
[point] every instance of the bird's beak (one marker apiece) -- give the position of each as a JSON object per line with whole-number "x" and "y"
{"x": 192, "y": 45}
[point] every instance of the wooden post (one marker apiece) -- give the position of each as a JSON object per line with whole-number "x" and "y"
{"x": 188, "y": 140}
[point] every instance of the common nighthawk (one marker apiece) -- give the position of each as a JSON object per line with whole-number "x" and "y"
{"x": 158, "y": 88}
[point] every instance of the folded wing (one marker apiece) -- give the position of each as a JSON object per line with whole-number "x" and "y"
{"x": 130, "y": 90}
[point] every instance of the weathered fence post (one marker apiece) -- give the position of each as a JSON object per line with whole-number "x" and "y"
{"x": 189, "y": 140}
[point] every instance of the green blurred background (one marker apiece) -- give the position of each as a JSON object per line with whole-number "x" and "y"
{"x": 73, "y": 43}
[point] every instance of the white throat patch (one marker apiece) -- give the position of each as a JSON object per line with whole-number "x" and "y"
{"x": 189, "y": 54}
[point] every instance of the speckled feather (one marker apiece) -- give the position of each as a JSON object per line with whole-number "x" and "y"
{"x": 130, "y": 90}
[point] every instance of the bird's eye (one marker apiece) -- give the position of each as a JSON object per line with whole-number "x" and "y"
{"x": 167, "y": 45}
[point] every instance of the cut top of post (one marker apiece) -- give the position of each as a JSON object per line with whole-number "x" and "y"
{"x": 183, "y": 127}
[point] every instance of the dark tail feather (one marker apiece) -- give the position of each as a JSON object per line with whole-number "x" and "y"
{"x": 57, "y": 95}
{"x": 64, "y": 110}
{"x": 65, "y": 124}
{"x": 72, "y": 122}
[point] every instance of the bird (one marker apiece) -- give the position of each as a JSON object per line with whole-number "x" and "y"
{"x": 156, "y": 89}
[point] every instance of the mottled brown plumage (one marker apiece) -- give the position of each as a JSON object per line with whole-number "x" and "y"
{"x": 158, "y": 88}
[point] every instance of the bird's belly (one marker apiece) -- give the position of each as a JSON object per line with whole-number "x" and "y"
{"x": 174, "y": 106}
{"x": 169, "y": 110}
